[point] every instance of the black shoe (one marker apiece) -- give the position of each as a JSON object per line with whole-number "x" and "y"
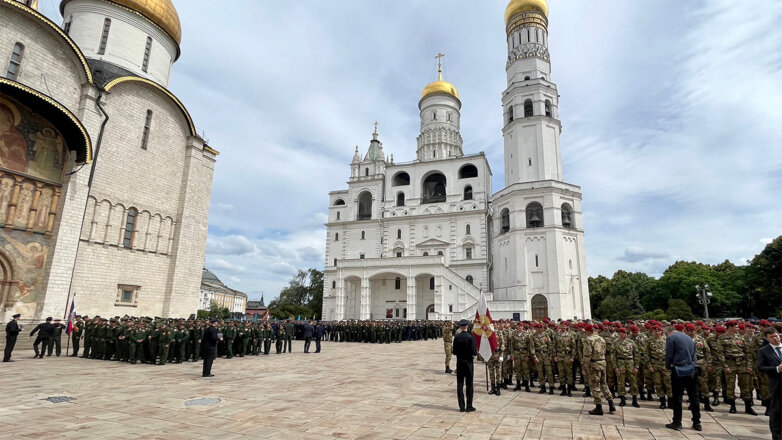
{"x": 587, "y": 392}
{"x": 674, "y": 426}
{"x": 622, "y": 401}
{"x": 73, "y": 355}
{"x": 662, "y": 403}
{"x": 524, "y": 383}
{"x": 561, "y": 387}
{"x": 697, "y": 427}
{"x": 461, "y": 410}
{"x": 542, "y": 390}
{"x": 707, "y": 406}
{"x": 493, "y": 389}
{"x": 598, "y": 411}
{"x": 518, "y": 385}
{"x": 550, "y": 391}
{"x": 732, "y": 406}
{"x": 643, "y": 396}
{"x": 502, "y": 385}
{"x": 611, "y": 407}
{"x": 635, "y": 402}
{"x": 526, "y": 388}
{"x": 447, "y": 369}
{"x": 470, "y": 409}
{"x": 716, "y": 401}
{"x": 748, "y": 407}
{"x": 569, "y": 389}
{"x": 649, "y": 396}
{"x": 208, "y": 375}
{"x": 10, "y": 360}
{"x": 564, "y": 391}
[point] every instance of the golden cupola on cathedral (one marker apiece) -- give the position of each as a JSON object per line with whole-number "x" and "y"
{"x": 516, "y": 7}
{"x": 160, "y": 12}
{"x": 439, "y": 86}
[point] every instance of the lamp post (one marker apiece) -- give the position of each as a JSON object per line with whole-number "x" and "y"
{"x": 704, "y": 297}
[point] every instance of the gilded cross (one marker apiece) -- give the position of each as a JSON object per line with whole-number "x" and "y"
{"x": 440, "y": 61}
{"x": 376, "y": 127}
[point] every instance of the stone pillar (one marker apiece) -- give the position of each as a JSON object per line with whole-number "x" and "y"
{"x": 366, "y": 298}
{"x": 411, "y": 303}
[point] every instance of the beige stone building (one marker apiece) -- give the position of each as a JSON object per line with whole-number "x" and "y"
{"x": 213, "y": 290}
{"x": 104, "y": 182}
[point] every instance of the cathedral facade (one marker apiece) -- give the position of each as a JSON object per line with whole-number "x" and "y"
{"x": 424, "y": 239}
{"x": 104, "y": 181}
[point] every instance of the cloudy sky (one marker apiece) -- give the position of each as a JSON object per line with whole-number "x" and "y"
{"x": 671, "y": 114}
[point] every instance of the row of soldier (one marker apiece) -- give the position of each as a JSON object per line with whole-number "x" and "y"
{"x": 383, "y": 331}
{"x": 633, "y": 355}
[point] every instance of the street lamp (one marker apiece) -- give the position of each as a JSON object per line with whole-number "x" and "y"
{"x": 704, "y": 297}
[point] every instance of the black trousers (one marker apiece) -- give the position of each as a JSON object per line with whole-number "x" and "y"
{"x": 307, "y": 342}
{"x": 209, "y": 358}
{"x": 775, "y": 414}
{"x": 10, "y": 341}
{"x": 317, "y": 345}
{"x": 464, "y": 376}
{"x": 75, "y": 346}
{"x": 53, "y": 343}
{"x": 43, "y": 342}
{"x": 678, "y": 386}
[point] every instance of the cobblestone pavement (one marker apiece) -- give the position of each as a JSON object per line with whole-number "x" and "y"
{"x": 349, "y": 391}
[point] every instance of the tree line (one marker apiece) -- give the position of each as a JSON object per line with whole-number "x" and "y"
{"x": 752, "y": 290}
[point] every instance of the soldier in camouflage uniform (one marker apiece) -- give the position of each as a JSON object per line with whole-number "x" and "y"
{"x": 544, "y": 357}
{"x": 565, "y": 349}
{"x": 639, "y": 339}
{"x": 715, "y": 375}
{"x": 655, "y": 353}
{"x": 703, "y": 354}
{"x": 736, "y": 361}
{"x": 507, "y": 355}
{"x": 521, "y": 357}
{"x": 594, "y": 352}
{"x": 625, "y": 358}
{"x": 447, "y": 345}
{"x": 495, "y": 366}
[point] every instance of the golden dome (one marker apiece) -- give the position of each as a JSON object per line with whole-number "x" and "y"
{"x": 440, "y": 86}
{"x": 160, "y": 12}
{"x": 516, "y": 7}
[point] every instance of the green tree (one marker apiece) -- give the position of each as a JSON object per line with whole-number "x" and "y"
{"x": 764, "y": 281}
{"x": 215, "y": 311}
{"x": 678, "y": 309}
{"x": 599, "y": 289}
{"x": 302, "y": 297}
{"x": 656, "y": 314}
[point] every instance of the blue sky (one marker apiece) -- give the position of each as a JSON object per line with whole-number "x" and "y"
{"x": 671, "y": 114}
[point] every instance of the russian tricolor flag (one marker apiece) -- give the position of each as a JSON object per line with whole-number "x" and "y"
{"x": 71, "y": 316}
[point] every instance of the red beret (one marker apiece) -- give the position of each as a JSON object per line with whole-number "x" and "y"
{"x": 742, "y": 327}
{"x": 617, "y": 324}
{"x": 622, "y": 330}
{"x": 634, "y": 328}
{"x": 699, "y": 322}
{"x": 589, "y": 327}
{"x": 689, "y": 326}
{"x": 764, "y": 322}
{"x": 731, "y": 324}
{"x": 567, "y": 323}
{"x": 606, "y": 322}
{"x": 545, "y": 319}
{"x": 678, "y": 327}
{"x": 581, "y": 325}
{"x": 720, "y": 329}
{"x": 657, "y": 327}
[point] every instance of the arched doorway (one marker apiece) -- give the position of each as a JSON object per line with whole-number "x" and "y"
{"x": 539, "y": 307}
{"x": 430, "y": 312}
{"x": 6, "y": 275}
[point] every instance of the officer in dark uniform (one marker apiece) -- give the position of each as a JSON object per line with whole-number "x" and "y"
{"x": 211, "y": 338}
{"x": 12, "y": 330}
{"x": 465, "y": 350}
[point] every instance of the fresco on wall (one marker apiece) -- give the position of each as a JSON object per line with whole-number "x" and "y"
{"x": 29, "y": 143}
{"x": 27, "y": 255}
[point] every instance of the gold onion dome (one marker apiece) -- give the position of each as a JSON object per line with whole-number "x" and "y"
{"x": 440, "y": 86}
{"x": 516, "y": 7}
{"x": 160, "y": 12}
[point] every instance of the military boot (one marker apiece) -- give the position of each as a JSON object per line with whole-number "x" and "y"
{"x": 598, "y": 411}
{"x": 707, "y": 406}
{"x": 767, "y": 404}
{"x": 493, "y": 389}
{"x": 497, "y": 390}
{"x": 526, "y": 388}
{"x": 587, "y": 392}
{"x": 716, "y": 395}
{"x": 748, "y": 407}
{"x": 662, "y": 402}
{"x": 564, "y": 389}
{"x": 531, "y": 382}
{"x": 550, "y": 390}
{"x": 643, "y": 395}
{"x": 502, "y": 384}
{"x": 622, "y": 401}
{"x": 542, "y": 389}
{"x": 518, "y": 385}
{"x": 635, "y": 402}
{"x": 509, "y": 380}
{"x": 573, "y": 388}
{"x": 649, "y": 396}
{"x": 611, "y": 407}
{"x": 613, "y": 393}
{"x": 561, "y": 387}
{"x": 732, "y": 403}
{"x": 448, "y": 370}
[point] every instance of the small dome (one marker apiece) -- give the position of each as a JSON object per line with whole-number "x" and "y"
{"x": 516, "y": 7}
{"x": 440, "y": 86}
{"x": 160, "y": 12}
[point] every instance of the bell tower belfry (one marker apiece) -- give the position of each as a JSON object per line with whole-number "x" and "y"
{"x": 538, "y": 242}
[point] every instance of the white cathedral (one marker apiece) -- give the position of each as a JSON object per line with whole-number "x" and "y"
{"x": 424, "y": 239}
{"x": 104, "y": 181}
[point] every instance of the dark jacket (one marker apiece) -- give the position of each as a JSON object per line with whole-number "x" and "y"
{"x": 308, "y": 331}
{"x": 464, "y": 347}
{"x": 680, "y": 351}
{"x": 45, "y": 330}
{"x": 12, "y": 328}
{"x": 768, "y": 360}
{"x": 319, "y": 331}
{"x": 210, "y": 337}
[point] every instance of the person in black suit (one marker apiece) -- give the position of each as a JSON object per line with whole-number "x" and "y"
{"x": 465, "y": 350}
{"x": 12, "y": 330}
{"x": 770, "y": 363}
{"x": 309, "y": 331}
{"x": 45, "y": 331}
{"x": 319, "y": 333}
{"x": 209, "y": 341}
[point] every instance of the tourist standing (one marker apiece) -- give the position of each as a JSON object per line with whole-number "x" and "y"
{"x": 681, "y": 360}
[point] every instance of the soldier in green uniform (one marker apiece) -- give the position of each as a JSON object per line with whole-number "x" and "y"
{"x": 182, "y": 337}
{"x": 507, "y": 363}
{"x": 123, "y": 338}
{"x": 594, "y": 353}
{"x": 715, "y": 375}
{"x": 165, "y": 338}
{"x": 736, "y": 365}
{"x": 448, "y": 345}
{"x": 279, "y": 338}
{"x": 495, "y": 366}
{"x": 229, "y": 334}
{"x": 153, "y": 336}
{"x": 268, "y": 335}
{"x": 703, "y": 354}
{"x": 76, "y": 334}
{"x": 138, "y": 335}
{"x": 88, "y": 329}
{"x": 565, "y": 349}
{"x": 521, "y": 357}
{"x": 289, "y": 333}
{"x": 624, "y": 354}
{"x": 543, "y": 357}
{"x": 639, "y": 339}
{"x": 655, "y": 352}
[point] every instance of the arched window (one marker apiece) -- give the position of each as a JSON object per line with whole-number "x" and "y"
{"x": 130, "y": 224}
{"x": 505, "y": 221}
{"x": 510, "y": 114}
{"x": 434, "y": 116}
{"x": 333, "y": 284}
{"x": 401, "y": 179}
{"x": 398, "y": 234}
{"x": 467, "y": 230}
{"x": 534, "y": 215}
{"x": 469, "y": 279}
{"x": 400, "y": 199}
{"x": 548, "y": 108}
{"x": 336, "y": 236}
{"x": 528, "y": 108}
{"x": 339, "y": 202}
{"x": 16, "y": 62}
{"x": 440, "y": 253}
{"x": 397, "y": 283}
{"x": 526, "y": 78}
{"x": 104, "y": 37}
{"x": 468, "y": 171}
{"x": 567, "y": 216}
{"x": 335, "y": 261}
{"x": 426, "y": 254}
{"x": 145, "y": 134}
{"x": 539, "y": 307}
{"x": 366, "y": 171}
{"x": 431, "y": 283}
{"x": 338, "y": 215}
{"x": 468, "y": 253}
{"x": 363, "y": 235}
{"x": 365, "y": 206}
{"x": 434, "y": 189}
{"x": 147, "y": 50}
{"x": 468, "y": 192}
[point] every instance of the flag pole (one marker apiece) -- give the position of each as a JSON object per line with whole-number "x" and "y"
{"x": 487, "y": 375}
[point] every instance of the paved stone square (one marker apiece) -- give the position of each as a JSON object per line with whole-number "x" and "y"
{"x": 349, "y": 391}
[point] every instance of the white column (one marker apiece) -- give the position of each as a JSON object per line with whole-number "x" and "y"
{"x": 340, "y": 305}
{"x": 365, "y": 297}
{"x": 411, "y": 298}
